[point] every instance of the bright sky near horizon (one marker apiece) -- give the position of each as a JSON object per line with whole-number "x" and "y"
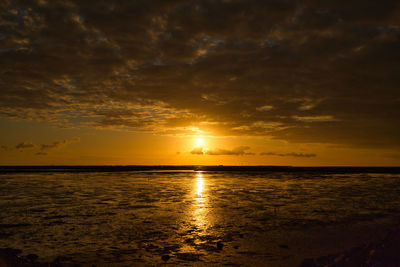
{"x": 229, "y": 82}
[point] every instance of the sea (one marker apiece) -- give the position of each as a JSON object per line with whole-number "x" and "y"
{"x": 193, "y": 215}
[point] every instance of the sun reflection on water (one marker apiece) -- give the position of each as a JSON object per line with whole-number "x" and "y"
{"x": 199, "y": 185}
{"x": 199, "y": 202}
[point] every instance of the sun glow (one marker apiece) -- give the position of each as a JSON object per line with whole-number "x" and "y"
{"x": 200, "y": 142}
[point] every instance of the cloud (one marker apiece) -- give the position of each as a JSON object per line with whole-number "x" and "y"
{"x": 197, "y": 151}
{"x": 314, "y": 118}
{"x": 24, "y": 145}
{"x": 238, "y": 151}
{"x": 58, "y": 144}
{"x": 46, "y": 148}
{"x": 299, "y": 71}
{"x": 290, "y": 154}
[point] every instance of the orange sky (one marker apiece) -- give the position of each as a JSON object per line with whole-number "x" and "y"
{"x": 261, "y": 82}
{"x": 98, "y": 146}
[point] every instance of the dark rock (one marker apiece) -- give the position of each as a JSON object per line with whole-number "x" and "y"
{"x": 189, "y": 241}
{"x": 5, "y": 235}
{"x": 32, "y": 257}
{"x": 220, "y": 245}
{"x": 8, "y": 257}
{"x": 10, "y": 251}
{"x": 188, "y": 256}
{"x": 384, "y": 253}
{"x": 207, "y": 247}
{"x": 284, "y": 246}
{"x": 15, "y": 225}
{"x": 60, "y": 259}
{"x": 165, "y": 257}
{"x": 152, "y": 248}
{"x": 308, "y": 263}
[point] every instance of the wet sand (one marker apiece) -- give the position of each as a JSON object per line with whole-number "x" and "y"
{"x": 384, "y": 252}
{"x": 193, "y": 218}
{"x": 379, "y": 252}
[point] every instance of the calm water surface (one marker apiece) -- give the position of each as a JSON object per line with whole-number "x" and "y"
{"x": 197, "y": 218}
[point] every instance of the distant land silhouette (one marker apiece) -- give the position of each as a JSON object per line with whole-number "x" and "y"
{"x": 166, "y": 168}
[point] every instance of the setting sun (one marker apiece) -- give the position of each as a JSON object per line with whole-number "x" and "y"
{"x": 200, "y": 142}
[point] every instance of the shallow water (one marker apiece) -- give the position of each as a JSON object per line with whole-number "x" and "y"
{"x": 197, "y": 218}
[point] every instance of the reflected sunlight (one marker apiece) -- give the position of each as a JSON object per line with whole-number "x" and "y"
{"x": 199, "y": 184}
{"x": 199, "y": 214}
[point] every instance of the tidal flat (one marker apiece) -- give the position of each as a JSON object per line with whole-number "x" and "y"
{"x": 196, "y": 218}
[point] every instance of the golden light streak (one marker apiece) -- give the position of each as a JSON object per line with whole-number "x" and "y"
{"x": 199, "y": 185}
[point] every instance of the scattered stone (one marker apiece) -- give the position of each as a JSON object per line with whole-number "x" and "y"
{"x": 10, "y": 251}
{"x": 190, "y": 241}
{"x": 174, "y": 248}
{"x": 61, "y": 259}
{"x": 32, "y": 257}
{"x": 165, "y": 258}
{"x": 151, "y": 248}
{"x": 309, "y": 262}
{"x": 5, "y": 235}
{"x": 384, "y": 253}
{"x": 188, "y": 256}
{"x": 207, "y": 247}
{"x": 220, "y": 245}
{"x": 284, "y": 246}
{"x": 9, "y": 257}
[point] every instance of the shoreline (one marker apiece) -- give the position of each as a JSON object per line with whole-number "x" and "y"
{"x": 199, "y": 168}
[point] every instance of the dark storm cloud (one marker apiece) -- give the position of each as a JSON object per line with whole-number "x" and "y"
{"x": 290, "y": 154}
{"x": 301, "y": 71}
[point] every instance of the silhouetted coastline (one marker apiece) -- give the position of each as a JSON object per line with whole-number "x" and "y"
{"x": 222, "y": 168}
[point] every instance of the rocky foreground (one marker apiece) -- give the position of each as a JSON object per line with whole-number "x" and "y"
{"x": 385, "y": 253}
{"x": 12, "y": 258}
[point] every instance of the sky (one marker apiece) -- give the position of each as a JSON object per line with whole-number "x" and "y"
{"x": 234, "y": 82}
